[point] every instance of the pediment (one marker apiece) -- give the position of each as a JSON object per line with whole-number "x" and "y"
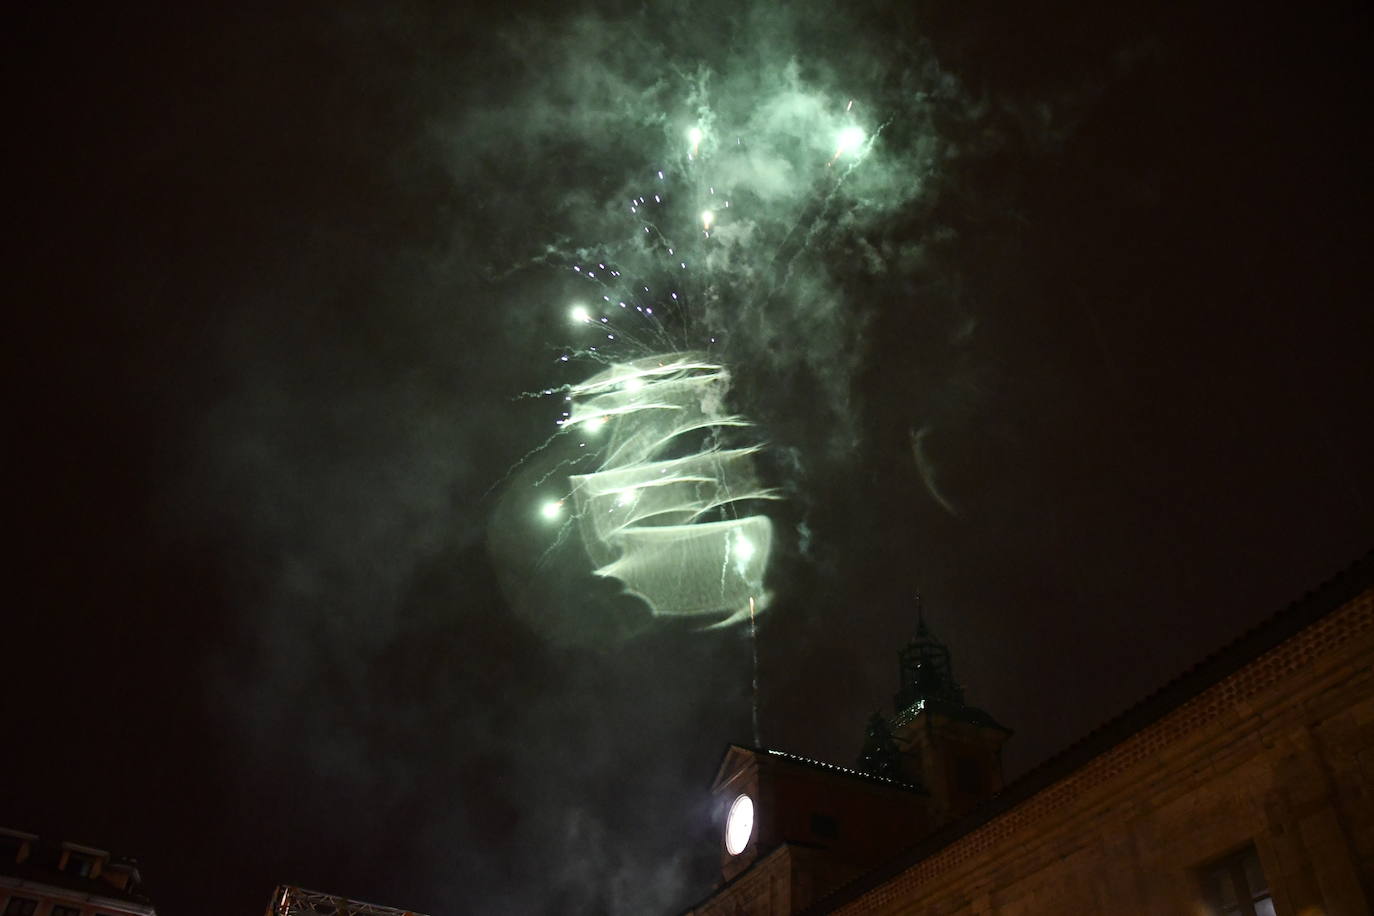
{"x": 737, "y": 757}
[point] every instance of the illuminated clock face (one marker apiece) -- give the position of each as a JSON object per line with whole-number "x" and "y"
{"x": 739, "y": 825}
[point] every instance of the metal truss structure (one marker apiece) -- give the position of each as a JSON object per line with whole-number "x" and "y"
{"x": 297, "y": 901}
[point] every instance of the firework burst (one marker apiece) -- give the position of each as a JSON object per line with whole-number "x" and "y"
{"x": 670, "y": 504}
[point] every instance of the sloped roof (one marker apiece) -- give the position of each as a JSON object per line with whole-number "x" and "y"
{"x": 41, "y": 868}
{"x": 1213, "y": 669}
{"x": 739, "y": 752}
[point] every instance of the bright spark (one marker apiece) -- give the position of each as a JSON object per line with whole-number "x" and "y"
{"x": 707, "y": 218}
{"x": 849, "y": 140}
{"x": 551, "y": 509}
{"x": 694, "y": 137}
{"x": 580, "y": 315}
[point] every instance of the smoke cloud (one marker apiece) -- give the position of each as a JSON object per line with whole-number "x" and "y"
{"x": 378, "y": 405}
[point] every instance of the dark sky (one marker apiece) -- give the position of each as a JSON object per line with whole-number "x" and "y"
{"x": 279, "y": 278}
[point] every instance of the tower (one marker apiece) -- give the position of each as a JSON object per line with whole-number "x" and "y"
{"x": 952, "y": 749}
{"x": 793, "y": 829}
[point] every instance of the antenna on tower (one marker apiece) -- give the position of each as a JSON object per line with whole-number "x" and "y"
{"x": 754, "y": 644}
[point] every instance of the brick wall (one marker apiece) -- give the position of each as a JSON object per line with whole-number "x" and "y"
{"x": 1279, "y": 754}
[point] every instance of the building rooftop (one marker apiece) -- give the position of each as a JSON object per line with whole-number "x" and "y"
{"x": 843, "y": 771}
{"x": 1213, "y": 669}
{"x": 81, "y": 870}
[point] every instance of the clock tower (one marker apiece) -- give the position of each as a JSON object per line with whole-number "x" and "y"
{"x": 793, "y": 829}
{"x": 935, "y": 738}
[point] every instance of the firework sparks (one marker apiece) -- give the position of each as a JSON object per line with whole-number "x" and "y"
{"x": 667, "y": 497}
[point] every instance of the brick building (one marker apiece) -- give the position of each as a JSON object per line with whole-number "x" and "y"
{"x": 39, "y": 878}
{"x": 1245, "y": 786}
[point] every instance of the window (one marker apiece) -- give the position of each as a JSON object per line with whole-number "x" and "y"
{"x": 79, "y": 864}
{"x": 1236, "y": 885}
{"x": 20, "y": 906}
{"x": 58, "y": 910}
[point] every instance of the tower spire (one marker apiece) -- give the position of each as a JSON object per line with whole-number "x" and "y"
{"x": 926, "y": 671}
{"x": 952, "y": 749}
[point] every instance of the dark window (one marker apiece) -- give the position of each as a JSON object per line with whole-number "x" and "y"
{"x": 65, "y": 910}
{"x": 20, "y": 906}
{"x": 1236, "y": 885}
{"x": 79, "y": 865}
{"x": 823, "y": 825}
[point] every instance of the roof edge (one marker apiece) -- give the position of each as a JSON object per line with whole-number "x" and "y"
{"x": 1268, "y": 634}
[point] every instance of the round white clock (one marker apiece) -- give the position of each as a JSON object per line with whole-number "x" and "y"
{"x": 739, "y": 825}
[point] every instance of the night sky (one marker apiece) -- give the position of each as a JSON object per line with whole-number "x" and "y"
{"x": 1090, "y": 372}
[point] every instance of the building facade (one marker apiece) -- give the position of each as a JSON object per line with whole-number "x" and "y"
{"x": 813, "y": 827}
{"x": 1246, "y": 786}
{"x": 39, "y": 878}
